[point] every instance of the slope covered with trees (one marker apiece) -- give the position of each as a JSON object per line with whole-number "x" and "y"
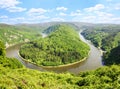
{"x": 107, "y": 37}
{"x": 2, "y": 49}
{"x": 112, "y": 57}
{"x": 14, "y": 76}
{"x": 8, "y": 62}
{"x": 11, "y": 34}
{"x": 22, "y": 78}
{"x": 104, "y": 36}
{"x": 62, "y": 46}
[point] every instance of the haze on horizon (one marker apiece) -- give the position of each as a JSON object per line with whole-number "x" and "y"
{"x": 38, "y": 11}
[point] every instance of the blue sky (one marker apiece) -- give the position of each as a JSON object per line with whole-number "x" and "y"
{"x": 39, "y": 11}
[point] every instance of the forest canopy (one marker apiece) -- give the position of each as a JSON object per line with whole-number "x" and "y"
{"x": 14, "y": 76}
{"x": 106, "y": 37}
{"x": 61, "y": 46}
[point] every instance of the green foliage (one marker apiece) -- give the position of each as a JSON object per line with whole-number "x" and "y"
{"x": 2, "y": 49}
{"x": 10, "y": 34}
{"x": 62, "y": 46}
{"x": 108, "y": 39}
{"x": 14, "y": 76}
{"x": 51, "y": 29}
{"x": 113, "y": 57}
{"x": 10, "y": 62}
{"x": 102, "y": 78}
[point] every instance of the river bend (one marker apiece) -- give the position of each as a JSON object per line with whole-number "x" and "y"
{"x": 93, "y": 61}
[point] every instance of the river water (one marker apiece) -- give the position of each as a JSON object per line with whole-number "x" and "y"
{"x": 93, "y": 61}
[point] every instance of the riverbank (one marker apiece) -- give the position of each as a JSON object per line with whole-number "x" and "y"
{"x": 15, "y": 44}
{"x": 91, "y": 63}
{"x": 59, "y": 66}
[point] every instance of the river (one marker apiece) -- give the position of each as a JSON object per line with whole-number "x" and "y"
{"x": 93, "y": 61}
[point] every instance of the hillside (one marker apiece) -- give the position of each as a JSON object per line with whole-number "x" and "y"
{"x": 14, "y": 76}
{"x": 11, "y": 34}
{"x": 107, "y": 37}
{"x": 14, "y": 34}
{"x": 61, "y": 46}
{"x": 113, "y": 57}
{"x": 103, "y": 78}
{"x": 104, "y": 36}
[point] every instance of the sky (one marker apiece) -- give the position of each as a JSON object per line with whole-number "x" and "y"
{"x": 40, "y": 11}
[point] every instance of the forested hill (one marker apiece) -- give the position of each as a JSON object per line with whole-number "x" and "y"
{"x": 55, "y": 27}
{"x": 11, "y": 34}
{"x": 107, "y": 37}
{"x": 5, "y": 62}
{"x": 62, "y": 46}
{"x": 104, "y": 36}
{"x": 51, "y": 29}
{"x": 113, "y": 57}
{"x": 14, "y": 76}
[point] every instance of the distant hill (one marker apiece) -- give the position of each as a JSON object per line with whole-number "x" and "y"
{"x": 107, "y": 37}
{"x": 11, "y": 34}
{"x": 103, "y": 36}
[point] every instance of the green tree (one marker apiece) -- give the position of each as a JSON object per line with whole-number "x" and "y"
{"x": 2, "y": 49}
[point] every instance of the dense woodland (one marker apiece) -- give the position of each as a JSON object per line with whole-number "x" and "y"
{"x": 112, "y": 57}
{"x": 13, "y": 75}
{"x": 61, "y": 46}
{"x": 11, "y": 35}
{"x": 107, "y": 37}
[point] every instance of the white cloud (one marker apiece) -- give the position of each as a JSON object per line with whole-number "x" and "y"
{"x": 11, "y": 5}
{"x": 36, "y": 11}
{"x": 88, "y": 18}
{"x": 117, "y": 6}
{"x": 41, "y": 17}
{"x": 3, "y": 17}
{"x": 113, "y": 7}
{"x": 8, "y": 3}
{"x": 103, "y": 14}
{"x": 34, "y": 19}
{"x": 101, "y": 19}
{"x": 17, "y": 18}
{"x": 97, "y": 17}
{"x": 85, "y": 18}
{"x": 16, "y": 9}
{"x": 61, "y": 9}
{"x": 14, "y": 20}
{"x": 116, "y": 19}
{"x": 62, "y": 14}
{"x": 108, "y": 20}
{"x": 95, "y": 8}
{"x": 57, "y": 19}
{"x": 76, "y": 13}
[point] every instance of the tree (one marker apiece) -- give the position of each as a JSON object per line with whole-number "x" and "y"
{"x": 2, "y": 49}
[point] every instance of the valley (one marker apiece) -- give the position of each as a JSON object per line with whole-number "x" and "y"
{"x": 20, "y": 74}
{"x": 59, "y": 44}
